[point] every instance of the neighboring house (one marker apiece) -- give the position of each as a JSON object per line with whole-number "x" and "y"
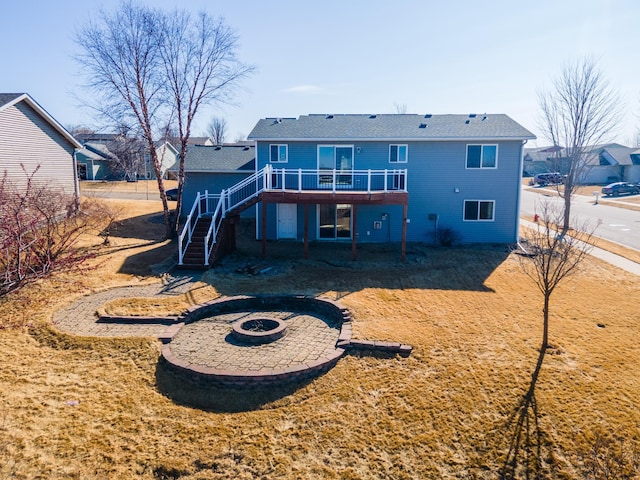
{"x": 215, "y": 168}
{"x": 200, "y": 141}
{"x": 603, "y": 164}
{"x": 383, "y": 178}
{"x": 108, "y": 156}
{"x": 95, "y": 162}
{"x": 612, "y": 163}
{"x": 31, "y": 137}
{"x": 541, "y": 160}
{"x": 168, "y": 156}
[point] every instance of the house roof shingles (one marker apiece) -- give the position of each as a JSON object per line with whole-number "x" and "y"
{"x": 227, "y": 158}
{"x": 8, "y": 97}
{"x": 390, "y": 127}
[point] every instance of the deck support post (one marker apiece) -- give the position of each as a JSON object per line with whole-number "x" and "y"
{"x": 405, "y": 211}
{"x": 354, "y": 222}
{"x": 306, "y": 230}
{"x": 264, "y": 229}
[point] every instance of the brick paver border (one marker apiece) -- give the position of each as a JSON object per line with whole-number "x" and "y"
{"x": 331, "y": 311}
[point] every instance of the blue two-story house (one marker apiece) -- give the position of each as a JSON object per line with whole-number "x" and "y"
{"x": 384, "y": 178}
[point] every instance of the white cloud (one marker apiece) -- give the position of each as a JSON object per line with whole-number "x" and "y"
{"x": 309, "y": 89}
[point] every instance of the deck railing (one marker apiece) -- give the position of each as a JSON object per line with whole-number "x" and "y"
{"x": 338, "y": 180}
{"x": 282, "y": 179}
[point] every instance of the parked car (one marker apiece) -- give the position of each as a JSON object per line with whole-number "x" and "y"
{"x": 172, "y": 194}
{"x": 619, "y": 188}
{"x": 552, "y": 178}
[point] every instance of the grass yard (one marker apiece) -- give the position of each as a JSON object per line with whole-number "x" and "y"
{"x": 101, "y": 408}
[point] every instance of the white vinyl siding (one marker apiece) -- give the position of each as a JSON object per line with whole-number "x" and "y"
{"x": 26, "y": 139}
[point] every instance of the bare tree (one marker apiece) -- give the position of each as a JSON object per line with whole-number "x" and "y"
{"x": 578, "y": 112}
{"x": 552, "y": 257}
{"x": 400, "y": 107}
{"x": 217, "y": 130}
{"x": 201, "y": 68}
{"x": 122, "y": 61}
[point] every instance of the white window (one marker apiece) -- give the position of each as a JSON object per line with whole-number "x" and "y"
{"x": 398, "y": 153}
{"x": 278, "y": 154}
{"x": 479, "y": 210}
{"x": 482, "y": 156}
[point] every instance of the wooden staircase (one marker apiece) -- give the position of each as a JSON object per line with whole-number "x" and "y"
{"x": 194, "y": 255}
{"x": 225, "y": 240}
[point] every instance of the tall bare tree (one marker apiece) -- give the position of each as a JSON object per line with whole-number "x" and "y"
{"x": 579, "y": 111}
{"x": 124, "y": 68}
{"x": 217, "y": 130}
{"x": 200, "y": 68}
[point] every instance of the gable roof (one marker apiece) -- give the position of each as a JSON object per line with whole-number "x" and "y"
{"x": 392, "y": 127}
{"x": 200, "y": 141}
{"x": 10, "y": 99}
{"x": 216, "y": 158}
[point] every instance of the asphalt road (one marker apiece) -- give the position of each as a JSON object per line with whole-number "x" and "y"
{"x": 619, "y": 225}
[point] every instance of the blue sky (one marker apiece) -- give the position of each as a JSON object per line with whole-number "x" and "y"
{"x": 353, "y": 56}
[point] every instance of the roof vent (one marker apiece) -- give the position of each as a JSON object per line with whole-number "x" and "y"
{"x": 423, "y": 125}
{"x": 329, "y": 117}
{"x": 245, "y": 148}
{"x": 218, "y": 147}
{"x": 372, "y": 116}
{"x": 484, "y": 117}
{"x": 428, "y": 115}
{"x": 466, "y": 122}
{"x": 472, "y": 115}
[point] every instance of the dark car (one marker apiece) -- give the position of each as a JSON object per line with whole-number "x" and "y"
{"x": 544, "y": 179}
{"x": 620, "y": 188}
{"x": 172, "y": 194}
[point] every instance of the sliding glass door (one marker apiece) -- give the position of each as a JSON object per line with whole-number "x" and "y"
{"x": 334, "y": 221}
{"x": 338, "y": 157}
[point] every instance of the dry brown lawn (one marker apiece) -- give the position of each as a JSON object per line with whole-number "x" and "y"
{"x": 102, "y": 408}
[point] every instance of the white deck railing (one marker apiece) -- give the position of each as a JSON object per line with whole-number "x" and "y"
{"x": 282, "y": 179}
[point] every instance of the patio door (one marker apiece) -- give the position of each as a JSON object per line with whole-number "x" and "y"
{"x": 287, "y": 220}
{"x": 338, "y": 157}
{"x": 334, "y": 221}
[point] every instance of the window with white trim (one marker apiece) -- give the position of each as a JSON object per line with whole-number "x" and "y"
{"x": 479, "y": 210}
{"x": 398, "y": 153}
{"x": 278, "y": 153}
{"x": 482, "y": 156}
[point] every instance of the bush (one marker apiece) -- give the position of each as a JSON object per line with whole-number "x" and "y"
{"x": 447, "y": 236}
{"x": 39, "y": 230}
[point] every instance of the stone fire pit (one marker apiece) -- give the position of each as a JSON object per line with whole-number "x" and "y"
{"x": 258, "y": 331}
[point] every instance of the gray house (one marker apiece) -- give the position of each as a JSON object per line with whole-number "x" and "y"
{"x": 602, "y": 164}
{"x": 380, "y": 178}
{"x": 211, "y": 169}
{"x": 612, "y": 163}
{"x": 32, "y": 138}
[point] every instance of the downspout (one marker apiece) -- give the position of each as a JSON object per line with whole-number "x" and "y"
{"x": 76, "y": 182}
{"x": 519, "y": 191}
